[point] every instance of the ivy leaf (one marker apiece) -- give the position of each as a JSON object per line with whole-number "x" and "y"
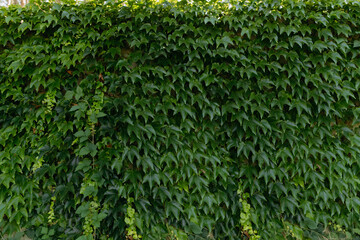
{"x": 84, "y": 165}
{"x": 92, "y": 149}
{"x": 226, "y": 40}
{"x": 15, "y": 65}
{"x": 210, "y": 19}
{"x": 50, "y": 19}
{"x": 194, "y": 228}
{"x": 83, "y": 210}
{"x": 24, "y": 26}
{"x": 310, "y": 223}
{"x": 79, "y": 93}
{"x": 69, "y": 95}
{"x": 84, "y": 237}
{"x": 356, "y": 43}
{"x": 90, "y": 191}
{"x": 298, "y": 40}
{"x": 9, "y": 19}
{"x": 97, "y": 218}
{"x": 84, "y": 151}
{"x": 65, "y": 14}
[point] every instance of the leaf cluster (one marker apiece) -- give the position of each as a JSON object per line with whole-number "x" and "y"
{"x": 173, "y": 105}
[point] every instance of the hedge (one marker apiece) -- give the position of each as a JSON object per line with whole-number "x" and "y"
{"x": 129, "y": 120}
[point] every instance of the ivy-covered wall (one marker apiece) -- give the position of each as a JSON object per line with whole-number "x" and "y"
{"x": 180, "y": 121}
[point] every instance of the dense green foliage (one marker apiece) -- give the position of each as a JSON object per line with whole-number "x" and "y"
{"x": 127, "y": 121}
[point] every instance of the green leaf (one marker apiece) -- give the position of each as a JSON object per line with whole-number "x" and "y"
{"x": 84, "y": 151}
{"x": 90, "y": 191}
{"x": 211, "y": 19}
{"x": 92, "y": 149}
{"x": 50, "y": 19}
{"x": 84, "y": 165}
{"x": 9, "y": 19}
{"x": 83, "y": 210}
{"x": 194, "y": 228}
{"x": 79, "y": 93}
{"x": 44, "y": 230}
{"x": 310, "y": 223}
{"x": 97, "y": 218}
{"x": 356, "y": 43}
{"x": 69, "y": 95}
{"x": 226, "y": 40}
{"x": 85, "y": 237}
{"x": 23, "y": 26}
{"x": 15, "y": 65}
{"x": 65, "y": 14}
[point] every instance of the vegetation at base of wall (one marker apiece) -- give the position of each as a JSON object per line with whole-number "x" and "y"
{"x": 141, "y": 120}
